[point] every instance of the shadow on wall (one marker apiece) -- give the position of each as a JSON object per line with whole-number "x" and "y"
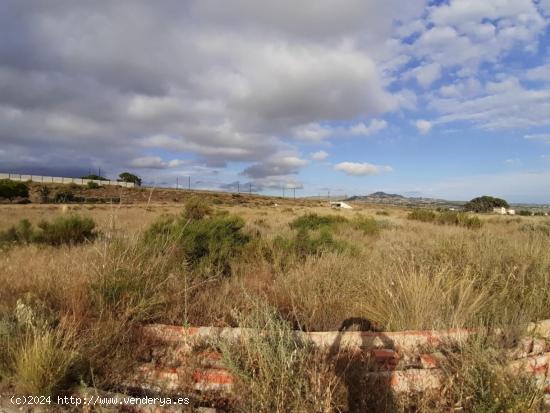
{"x": 366, "y": 392}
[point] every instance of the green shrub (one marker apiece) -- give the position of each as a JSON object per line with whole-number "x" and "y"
{"x": 424, "y": 215}
{"x": 22, "y": 232}
{"x": 211, "y": 243}
{"x": 196, "y": 209}
{"x": 369, "y": 226}
{"x": 42, "y": 363}
{"x": 446, "y": 218}
{"x": 208, "y": 244}
{"x": 12, "y": 189}
{"x": 524, "y": 213}
{"x": 71, "y": 229}
{"x": 93, "y": 185}
{"x": 304, "y": 244}
{"x": 315, "y": 221}
{"x": 383, "y": 212}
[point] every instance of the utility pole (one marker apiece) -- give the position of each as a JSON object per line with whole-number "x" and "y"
{"x": 238, "y": 187}
{"x": 283, "y": 191}
{"x": 329, "y": 196}
{"x": 177, "y": 183}
{"x": 249, "y": 188}
{"x": 189, "y": 183}
{"x": 294, "y": 193}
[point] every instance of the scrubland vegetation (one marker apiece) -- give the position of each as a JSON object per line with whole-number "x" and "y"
{"x": 75, "y": 286}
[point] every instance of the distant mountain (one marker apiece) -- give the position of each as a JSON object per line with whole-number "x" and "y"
{"x": 396, "y": 199}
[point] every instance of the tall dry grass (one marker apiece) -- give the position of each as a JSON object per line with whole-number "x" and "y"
{"x": 389, "y": 274}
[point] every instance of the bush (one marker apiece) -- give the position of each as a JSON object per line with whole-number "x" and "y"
{"x": 22, "y": 232}
{"x": 71, "y": 229}
{"x": 369, "y": 226}
{"x": 485, "y": 204}
{"x": 196, "y": 209}
{"x": 424, "y": 215}
{"x": 64, "y": 196}
{"x": 12, "y": 189}
{"x": 446, "y": 218}
{"x": 478, "y": 380}
{"x": 44, "y": 192}
{"x": 275, "y": 371}
{"x": 42, "y": 363}
{"x": 93, "y": 185}
{"x": 303, "y": 244}
{"x": 208, "y": 244}
{"x": 315, "y": 221}
{"x": 383, "y": 212}
{"x": 525, "y": 213}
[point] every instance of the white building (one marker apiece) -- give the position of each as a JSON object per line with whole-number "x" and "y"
{"x": 340, "y": 204}
{"x": 504, "y": 211}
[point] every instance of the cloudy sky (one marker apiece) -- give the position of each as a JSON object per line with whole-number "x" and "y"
{"x": 446, "y": 99}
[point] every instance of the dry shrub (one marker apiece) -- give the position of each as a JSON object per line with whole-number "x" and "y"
{"x": 276, "y": 372}
{"x": 478, "y": 380}
{"x": 43, "y": 361}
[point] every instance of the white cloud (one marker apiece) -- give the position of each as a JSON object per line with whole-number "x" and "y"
{"x": 513, "y": 162}
{"x": 542, "y": 137}
{"x": 316, "y": 132}
{"x": 312, "y": 132}
{"x": 155, "y": 162}
{"x": 276, "y": 166}
{"x": 361, "y": 169}
{"x": 503, "y": 104}
{"x": 319, "y": 155}
{"x": 426, "y": 74}
{"x": 361, "y": 129}
{"x": 423, "y": 126}
{"x": 539, "y": 73}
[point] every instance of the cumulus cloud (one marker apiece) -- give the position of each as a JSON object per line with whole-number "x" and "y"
{"x": 423, "y": 126}
{"x": 361, "y": 169}
{"x": 276, "y": 166}
{"x": 319, "y": 155}
{"x": 225, "y": 84}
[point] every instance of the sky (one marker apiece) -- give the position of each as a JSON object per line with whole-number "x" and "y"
{"x": 446, "y": 99}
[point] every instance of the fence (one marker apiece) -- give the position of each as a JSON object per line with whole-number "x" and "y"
{"x": 62, "y": 180}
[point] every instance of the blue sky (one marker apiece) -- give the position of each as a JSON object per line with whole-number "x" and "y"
{"x": 447, "y": 99}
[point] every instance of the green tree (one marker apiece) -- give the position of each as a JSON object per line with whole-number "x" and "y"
{"x": 128, "y": 177}
{"x": 485, "y": 203}
{"x": 11, "y": 189}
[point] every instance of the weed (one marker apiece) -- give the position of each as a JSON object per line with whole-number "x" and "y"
{"x": 424, "y": 215}
{"x": 72, "y": 229}
{"x": 315, "y": 221}
{"x": 275, "y": 371}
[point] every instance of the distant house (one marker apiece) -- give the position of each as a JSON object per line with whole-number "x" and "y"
{"x": 340, "y": 205}
{"x": 504, "y": 211}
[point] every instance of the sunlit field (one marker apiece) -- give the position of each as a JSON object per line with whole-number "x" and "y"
{"x": 199, "y": 263}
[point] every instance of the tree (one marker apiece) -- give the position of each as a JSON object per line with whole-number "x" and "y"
{"x": 94, "y": 177}
{"x": 11, "y": 189}
{"x": 128, "y": 177}
{"x": 485, "y": 203}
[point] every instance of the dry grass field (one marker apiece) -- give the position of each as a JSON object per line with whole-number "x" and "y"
{"x": 74, "y": 306}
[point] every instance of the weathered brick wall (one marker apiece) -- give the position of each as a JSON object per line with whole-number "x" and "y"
{"x": 403, "y": 362}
